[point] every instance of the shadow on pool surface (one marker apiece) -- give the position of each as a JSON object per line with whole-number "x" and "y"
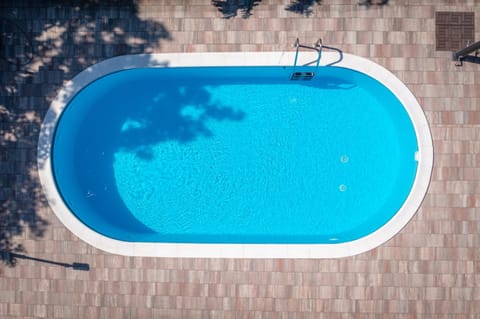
{"x": 152, "y": 113}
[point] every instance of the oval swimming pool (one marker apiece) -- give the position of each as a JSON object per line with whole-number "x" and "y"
{"x": 225, "y": 157}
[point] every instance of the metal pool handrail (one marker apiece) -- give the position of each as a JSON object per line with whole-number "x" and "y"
{"x": 317, "y": 47}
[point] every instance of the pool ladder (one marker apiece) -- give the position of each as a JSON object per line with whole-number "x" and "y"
{"x": 305, "y": 76}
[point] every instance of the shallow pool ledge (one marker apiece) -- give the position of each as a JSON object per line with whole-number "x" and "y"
{"x": 375, "y": 239}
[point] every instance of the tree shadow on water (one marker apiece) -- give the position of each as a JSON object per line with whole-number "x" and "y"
{"x": 41, "y": 46}
{"x": 169, "y": 109}
{"x": 178, "y": 114}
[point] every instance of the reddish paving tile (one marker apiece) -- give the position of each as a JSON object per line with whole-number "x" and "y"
{"x": 432, "y": 268}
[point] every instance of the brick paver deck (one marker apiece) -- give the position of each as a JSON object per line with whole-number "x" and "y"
{"x": 431, "y": 269}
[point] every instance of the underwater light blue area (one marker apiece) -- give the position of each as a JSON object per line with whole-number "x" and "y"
{"x": 234, "y": 155}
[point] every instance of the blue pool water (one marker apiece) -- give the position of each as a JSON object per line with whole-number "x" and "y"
{"x": 234, "y": 155}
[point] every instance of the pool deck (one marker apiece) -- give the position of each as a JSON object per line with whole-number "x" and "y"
{"x": 430, "y": 269}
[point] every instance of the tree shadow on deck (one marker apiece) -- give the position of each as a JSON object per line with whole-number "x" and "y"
{"x": 41, "y": 46}
{"x": 303, "y": 7}
{"x": 244, "y": 8}
{"x": 369, "y": 3}
{"x": 231, "y": 8}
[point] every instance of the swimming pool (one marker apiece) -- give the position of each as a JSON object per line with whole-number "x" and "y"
{"x": 232, "y": 159}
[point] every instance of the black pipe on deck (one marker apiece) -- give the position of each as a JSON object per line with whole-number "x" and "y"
{"x": 460, "y": 54}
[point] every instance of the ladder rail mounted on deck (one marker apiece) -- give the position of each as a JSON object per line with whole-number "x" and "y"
{"x": 460, "y": 55}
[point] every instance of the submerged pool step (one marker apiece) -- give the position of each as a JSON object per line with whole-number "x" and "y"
{"x": 304, "y": 76}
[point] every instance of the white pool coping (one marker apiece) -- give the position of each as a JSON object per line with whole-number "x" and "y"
{"x": 375, "y": 239}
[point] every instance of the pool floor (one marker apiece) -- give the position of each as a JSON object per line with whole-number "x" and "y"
{"x": 235, "y": 155}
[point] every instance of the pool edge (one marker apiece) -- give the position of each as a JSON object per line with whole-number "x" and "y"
{"x": 375, "y": 239}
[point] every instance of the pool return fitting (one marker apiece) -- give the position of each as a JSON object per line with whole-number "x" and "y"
{"x": 297, "y": 75}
